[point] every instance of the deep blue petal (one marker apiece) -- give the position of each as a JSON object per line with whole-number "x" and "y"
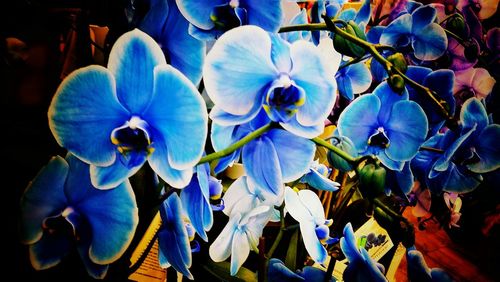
{"x": 387, "y": 98}
{"x": 359, "y": 119}
{"x": 417, "y": 74}
{"x": 423, "y": 16}
{"x": 172, "y": 236}
{"x": 319, "y": 181}
{"x": 430, "y": 42}
{"x": 345, "y": 84}
{"x": 132, "y": 61}
{"x": 277, "y": 271}
{"x": 364, "y": 13}
{"x": 96, "y": 271}
{"x": 198, "y": 12}
{"x": 453, "y": 142}
{"x": 221, "y": 117}
{"x": 262, "y": 164}
{"x": 406, "y": 130}
{"x": 44, "y": 197}
{"x": 238, "y": 68}
{"x": 417, "y": 268}
{"x": 178, "y": 112}
{"x": 86, "y": 103}
{"x": 349, "y": 245}
{"x": 347, "y": 15}
{"x": 112, "y": 214}
{"x": 473, "y": 114}
{"x": 266, "y": 14}
{"x": 397, "y": 32}
{"x": 49, "y": 251}
{"x": 486, "y": 147}
{"x": 377, "y": 70}
{"x": 110, "y": 176}
{"x": 294, "y": 153}
{"x": 373, "y": 35}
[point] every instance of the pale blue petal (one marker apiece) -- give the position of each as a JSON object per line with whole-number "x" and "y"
{"x": 44, "y": 197}
{"x": 280, "y": 54}
{"x": 397, "y": 32}
{"x": 132, "y": 61}
{"x": 172, "y": 236}
{"x": 487, "y": 149}
{"x": 298, "y": 129}
{"x": 198, "y": 12}
{"x": 387, "y": 98}
{"x": 406, "y": 130}
{"x": 262, "y": 165}
{"x": 311, "y": 201}
{"x": 112, "y": 214}
{"x": 345, "y": 84}
{"x": 109, "y": 177}
{"x": 423, "y": 16}
{"x": 196, "y": 203}
{"x": 319, "y": 181}
{"x": 84, "y": 112}
{"x": 221, "y": 117}
{"x": 266, "y": 14}
{"x": 179, "y": 113}
{"x": 204, "y": 35}
{"x": 473, "y": 112}
{"x": 295, "y": 207}
{"x": 238, "y": 68}
{"x": 220, "y": 249}
{"x": 360, "y": 76}
{"x": 160, "y": 164}
{"x": 294, "y": 153}
{"x": 238, "y": 198}
{"x": 347, "y": 15}
{"x": 162, "y": 260}
{"x": 430, "y": 42}
{"x": 222, "y": 136}
{"x": 240, "y": 249}
{"x": 317, "y": 77}
{"x": 359, "y": 119}
{"x": 49, "y": 251}
{"x": 388, "y": 162}
{"x": 313, "y": 246}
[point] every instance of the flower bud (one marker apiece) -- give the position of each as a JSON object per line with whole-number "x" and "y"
{"x": 397, "y": 83}
{"x": 346, "y": 145}
{"x": 399, "y": 62}
{"x": 371, "y": 180}
{"x": 456, "y": 24}
{"x": 346, "y": 47}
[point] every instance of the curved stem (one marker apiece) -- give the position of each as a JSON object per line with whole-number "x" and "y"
{"x": 277, "y": 240}
{"x": 238, "y": 144}
{"x": 301, "y": 27}
{"x": 334, "y": 149}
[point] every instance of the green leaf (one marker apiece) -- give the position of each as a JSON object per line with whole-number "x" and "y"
{"x": 221, "y": 270}
{"x": 291, "y": 254}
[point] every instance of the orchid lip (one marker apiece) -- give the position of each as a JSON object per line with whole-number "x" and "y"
{"x": 379, "y": 138}
{"x": 132, "y": 136}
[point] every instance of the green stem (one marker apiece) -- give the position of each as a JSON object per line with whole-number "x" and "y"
{"x": 280, "y": 234}
{"x": 353, "y": 61}
{"x": 431, "y": 149}
{"x": 334, "y": 149}
{"x": 301, "y": 27}
{"x": 238, "y": 144}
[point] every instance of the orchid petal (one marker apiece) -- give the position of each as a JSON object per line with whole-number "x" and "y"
{"x": 313, "y": 246}
{"x": 487, "y": 149}
{"x": 86, "y": 103}
{"x": 220, "y": 249}
{"x": 262, "y": 165}
{"x": 240, "y": 249}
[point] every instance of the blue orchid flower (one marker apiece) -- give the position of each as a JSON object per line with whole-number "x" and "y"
{"x": 468, "y": 152}
{"x": 195, "y": 198}
{"x": 298, "y": 16}
{"x": 418, "y": 30}
{"x": 137, "y": 109}
{"x": 165, "y": 23}
{"x": 210, "y": 19}
{"x": 361, "y": 266}
{"x": 419, "y": 271}
{"x": 385, "y": 124}
{"x": 278, "y": 272}
{"x": 306, "y": 208}
{"x": 317, "y": 177}
{"x": 248, "y": 69}
{"x": 272, "y": 159}
{"x": 239, "y": 236}
{"x": 353, "y": 79}
{"x": 173, "y": 237}
{"x": 439, "y": 81}
{"x": 61, "y": 209}
{"x": 243, "y": 196}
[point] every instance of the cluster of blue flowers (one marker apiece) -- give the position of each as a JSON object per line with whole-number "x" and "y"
{"x": 272, "y": 92}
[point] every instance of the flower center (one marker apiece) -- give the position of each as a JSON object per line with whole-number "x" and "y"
{"x": 283, "y": 101}
{"x": 379, "y": 138}
{"x": 64, "y": 224}
{"x": 132, "y": 136}
{"x": 228, "y": 16}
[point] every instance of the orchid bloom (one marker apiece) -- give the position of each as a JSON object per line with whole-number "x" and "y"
{"x": 454, "y": 204}
{"x": 317, "y": 177}
{"x": 239, "y": 236}
{"x": 473, "y": 82}
{"x": 137, "y": 109}
{"x": 248, "y": 69}
{"x": 61, "y": 209}
{"x": 417, "y": 29}
{"x": 306, "y": 208}
{"x": 210, "y": 19}
{"x": 386, "y": 124}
